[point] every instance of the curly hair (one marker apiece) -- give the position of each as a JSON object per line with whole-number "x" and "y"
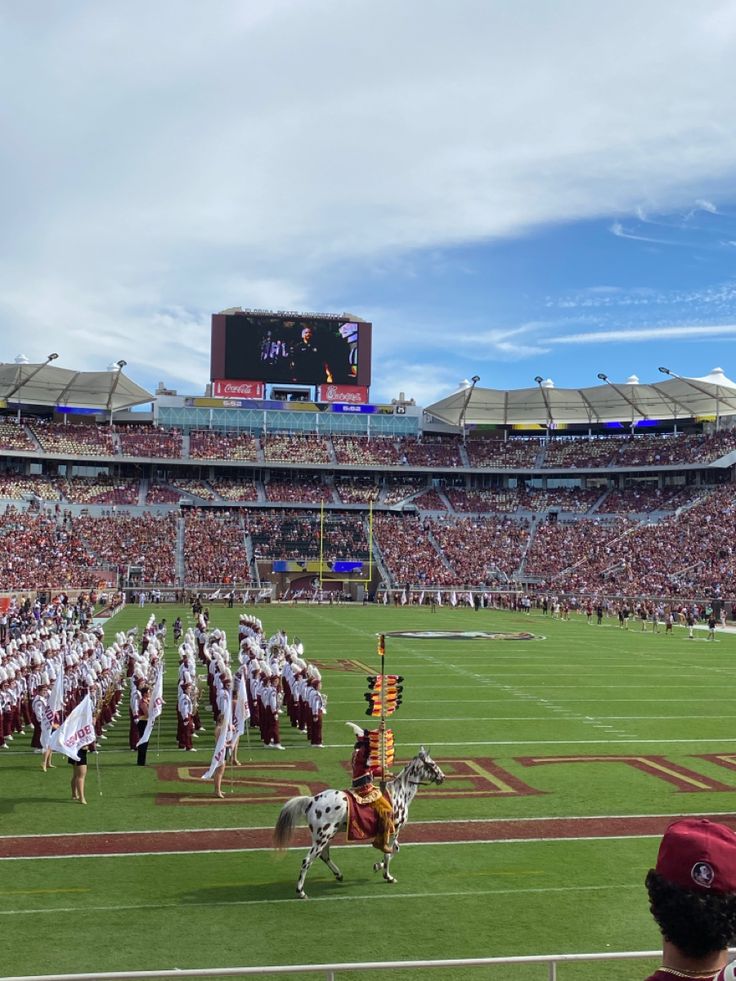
{"x": 697, "y": 923}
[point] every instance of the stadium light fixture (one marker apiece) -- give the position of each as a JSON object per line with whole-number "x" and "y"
{"x": 622, "y": 393}
{"x": 698, "y": 388}
{"x": 473, "y": 382}
{"x": 119, "y": 365}
{"x": 23, "y": 380}
{"x": 550, "y": 421}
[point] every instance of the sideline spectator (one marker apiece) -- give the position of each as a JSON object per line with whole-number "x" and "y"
{"x": 692, "y": 896}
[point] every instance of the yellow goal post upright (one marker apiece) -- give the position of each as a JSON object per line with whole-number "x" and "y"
{"x": 343, "y": 576}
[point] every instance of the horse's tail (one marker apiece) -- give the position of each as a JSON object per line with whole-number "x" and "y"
{"x": 289, "y": 817}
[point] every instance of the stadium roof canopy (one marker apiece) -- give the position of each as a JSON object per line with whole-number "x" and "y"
{"x": 44, "y": 384}
{"x": 676, "y": 398}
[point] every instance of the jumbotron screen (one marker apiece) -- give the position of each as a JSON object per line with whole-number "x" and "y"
{"x": 298, "y": 348}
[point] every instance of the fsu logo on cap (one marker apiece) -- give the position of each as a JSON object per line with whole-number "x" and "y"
{"x": 703, "y": 875}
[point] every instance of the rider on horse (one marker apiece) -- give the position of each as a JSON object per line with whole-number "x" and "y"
{"x": 366, "y": 792}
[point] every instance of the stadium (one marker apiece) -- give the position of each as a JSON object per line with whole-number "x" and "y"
{"x": 593, "y": 528}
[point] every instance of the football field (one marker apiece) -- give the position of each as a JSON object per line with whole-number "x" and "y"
{"x": 566, "y": 755}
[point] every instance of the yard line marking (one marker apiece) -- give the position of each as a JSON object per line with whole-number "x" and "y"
{"x": 369, "y": 897}
{"x": 33, "y": 892}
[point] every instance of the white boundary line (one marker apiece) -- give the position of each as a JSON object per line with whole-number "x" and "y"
{"x": 268, "y": 827}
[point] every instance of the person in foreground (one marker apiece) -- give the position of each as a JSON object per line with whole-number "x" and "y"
{"x": 692, "y": 896}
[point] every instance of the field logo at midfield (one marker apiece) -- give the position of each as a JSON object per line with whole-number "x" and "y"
{"x": 463, "y": 635}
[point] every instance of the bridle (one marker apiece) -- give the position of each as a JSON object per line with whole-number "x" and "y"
{"x": 436, "y": 776}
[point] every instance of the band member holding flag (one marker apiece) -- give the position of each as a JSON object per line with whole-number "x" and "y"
{"x": 223, "y": 739}
{"x": 73, "y": 738}
{"x": 241, "y": 714}
{"x": 148, "y": 709}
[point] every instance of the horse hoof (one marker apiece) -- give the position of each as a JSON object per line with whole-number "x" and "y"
{"x": 377, "y": 866}
{"x": 390, "y": 878}
{"x": 301, "y": 895}
{"x": 339, "y": 877}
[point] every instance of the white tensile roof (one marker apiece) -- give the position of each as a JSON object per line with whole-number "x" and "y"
{"x": 45, "y": 384}
{"x": 675, "y": 398}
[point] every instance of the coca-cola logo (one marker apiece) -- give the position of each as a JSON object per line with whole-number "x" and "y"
{"x": 243, "y": 389}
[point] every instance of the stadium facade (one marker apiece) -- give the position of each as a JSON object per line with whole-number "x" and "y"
{"x": 311, "y": 487}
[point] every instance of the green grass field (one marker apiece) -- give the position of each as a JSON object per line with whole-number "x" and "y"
{"x": 587, "y": 722}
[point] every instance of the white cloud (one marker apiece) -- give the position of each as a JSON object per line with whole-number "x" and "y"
{"x": 632, "y": 335}
{"x": 161, "y": 161}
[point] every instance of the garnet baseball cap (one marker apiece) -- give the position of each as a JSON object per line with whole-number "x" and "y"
{"x": 698, "y": 854}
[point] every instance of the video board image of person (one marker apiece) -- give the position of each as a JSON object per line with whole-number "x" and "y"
{"x": 306, "y": 352}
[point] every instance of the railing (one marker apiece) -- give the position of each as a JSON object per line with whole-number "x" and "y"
{"x": 330, "y": 971}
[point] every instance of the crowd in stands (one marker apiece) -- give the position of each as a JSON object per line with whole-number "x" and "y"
{"x": 514, "y": 452}
{"x": 506, "y": 454}
{"x": 484, "y": 500}
{"x": 208, "y": 445}
{"x": 150, "y": 441}
{"x": 686, "y": 552}
{"x": 17, "y": 487}
{"x": 357, "y": 490}
{"x": 430, "y": 500}
{"x": 481, "y": 550}
{"x": 102, "y": 490}
{"x": 432, "y": 452}
{"x": 192, "y": 487}
{"x": 573, "y": 500}
{"x": 582, "y": 549}
{"x": 234, "y": 489}
{"x": 291, "y": 534}
{"x": 41, "y": 550}
{"x": 162, "y": 494}
{"x": 15, "y": 437}
{"x": 639, "y": 451}
{"x": 144, "y": 540}
{"x": 358, "y": 451}
{"x": 301, "y": 488}
{"x": 74, "y": 440}
{"x": 407, "y": 550}
{"x": 214, "y": 547}
{"x": 281, "y": 448}
{"x": 398, "y": 489}
{"x": 638, "y": 500}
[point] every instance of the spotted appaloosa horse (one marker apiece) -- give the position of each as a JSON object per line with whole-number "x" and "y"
{"x": 327, "y": 813}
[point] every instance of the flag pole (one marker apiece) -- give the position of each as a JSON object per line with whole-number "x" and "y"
{"x": 382, "y": 727}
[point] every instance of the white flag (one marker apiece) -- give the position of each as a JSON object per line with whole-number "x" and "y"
{"x": 439, "y": 598}
{"x": 453, "y": 598}
{"x": 403, "y": 598}
{"x": 77, "y": 730}
{"x": 242, "y": 712}
{"x": 56, "y": 699}
{"x": 385, "y": 597}
{"x": 154, "y": 708}
{"x": 218, "y": 757}
{"x": 246, "y": 597}
{"x": 471, "y": 601}
{"x": 421, "y": 598}
{"x": 47, "y": 726}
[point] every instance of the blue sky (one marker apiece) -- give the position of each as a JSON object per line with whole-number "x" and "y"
{"x": 507, "y": 190}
